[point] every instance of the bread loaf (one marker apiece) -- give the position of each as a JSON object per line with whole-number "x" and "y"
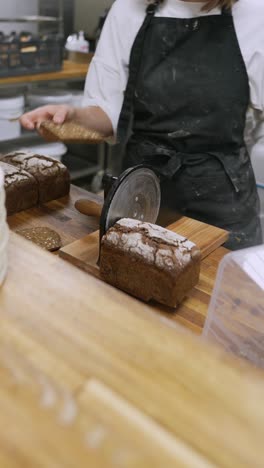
{"x": 20, "y": 187}
{"x": 149, "y": 262}
{"x": 51, "y": 176}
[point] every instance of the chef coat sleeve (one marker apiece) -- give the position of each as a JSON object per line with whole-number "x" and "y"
{"x": 108, "y": 72}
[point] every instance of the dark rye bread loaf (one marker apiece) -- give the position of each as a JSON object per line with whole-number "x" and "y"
{"x": 149, "y": 262}
{"x": 52, "y": 176}
{"x": 21, "y": 189}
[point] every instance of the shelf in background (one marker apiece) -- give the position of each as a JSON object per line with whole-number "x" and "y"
{"x": 71, "y": 71}
{"x": 26, "y": 138}
{"x": 31, "y": 19}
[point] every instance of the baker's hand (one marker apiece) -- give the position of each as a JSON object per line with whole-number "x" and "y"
{"x": 58, "y": 114}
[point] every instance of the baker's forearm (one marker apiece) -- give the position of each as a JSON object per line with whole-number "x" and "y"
{"x": 93, "y": 118}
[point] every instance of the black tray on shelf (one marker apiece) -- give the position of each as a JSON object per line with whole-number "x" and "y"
{"x": 38, "y": 55}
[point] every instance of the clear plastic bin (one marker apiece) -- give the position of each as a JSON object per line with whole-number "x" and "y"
{"x": 257, "y": 160}
{"x": 235, "y": 317}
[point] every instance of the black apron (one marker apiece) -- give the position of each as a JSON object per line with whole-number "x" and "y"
{"x": 184, "y": 113}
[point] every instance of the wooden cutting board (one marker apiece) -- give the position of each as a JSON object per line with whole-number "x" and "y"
{"x": 83, "y": 253}
{"x": 59, "y": 215}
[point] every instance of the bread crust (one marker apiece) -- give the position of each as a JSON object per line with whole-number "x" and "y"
{"x": 21, "y": 189}
{"x": 149, "y": 262}
{"x": 51, "y": 176}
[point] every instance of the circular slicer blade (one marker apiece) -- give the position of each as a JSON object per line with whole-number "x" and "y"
{"x": 136, "y": 194}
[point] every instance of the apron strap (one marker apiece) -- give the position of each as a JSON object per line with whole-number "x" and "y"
{"x": 227, "y": 11}
{"x": 125, "y": 123}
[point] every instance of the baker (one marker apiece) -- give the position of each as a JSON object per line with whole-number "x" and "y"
{"x": 172, "y": 81}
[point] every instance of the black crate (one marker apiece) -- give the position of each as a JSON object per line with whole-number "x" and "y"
{"x": 36, "y": 55}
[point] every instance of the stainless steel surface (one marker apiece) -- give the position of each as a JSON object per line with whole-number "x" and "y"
{"x": 31, "y": 19}
{"x": 137, "y": 197}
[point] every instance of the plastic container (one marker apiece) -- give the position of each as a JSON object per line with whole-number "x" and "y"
{"x": 44, "y": 96}
{"x": 26, "y": 54}
{"x": 257, "y": 159}
{"x": 82, "y": 44}
{"x": 77, "y": 43}
{"x": 71, "y": 42}
{"x": 11, "y": 108}
{"x": 235, "y": 317}
{"x": 2, "y": 210}
{"x": 4, "y": 232}
{"x": 4, "y": 259}
{"x": 3, "y": 268}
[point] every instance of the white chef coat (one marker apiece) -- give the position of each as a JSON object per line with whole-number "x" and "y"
{"x": 108, "y": 73}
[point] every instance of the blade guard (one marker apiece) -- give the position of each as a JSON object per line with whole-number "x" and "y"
{"x": 112, "y": 186}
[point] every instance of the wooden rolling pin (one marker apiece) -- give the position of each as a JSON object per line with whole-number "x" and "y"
{"x": 88, "y": 207}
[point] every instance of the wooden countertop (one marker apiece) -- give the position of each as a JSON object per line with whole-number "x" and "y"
{"x": 91, "y": 377}
{"x": 70, "y": 71}
{"x": 71, "y": 225}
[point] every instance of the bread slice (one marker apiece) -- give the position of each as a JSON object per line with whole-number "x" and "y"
{"x": 69, "y": 132}
{"x": 43, "y": 236}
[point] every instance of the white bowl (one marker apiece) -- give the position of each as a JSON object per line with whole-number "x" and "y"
{"x": 4, "y": 231}
{"x": 4, "y": 236}
{"x": 2, "y": 179}
{"x": 2, "y": 211}
{"x": 2, "y": 199}
{"x": 3, "y": 267}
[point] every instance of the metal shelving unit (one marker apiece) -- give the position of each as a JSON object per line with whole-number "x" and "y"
{"x": 83, "y": 167}
{"x": 27, "y": 19}
{"x": 40, "y": 18}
